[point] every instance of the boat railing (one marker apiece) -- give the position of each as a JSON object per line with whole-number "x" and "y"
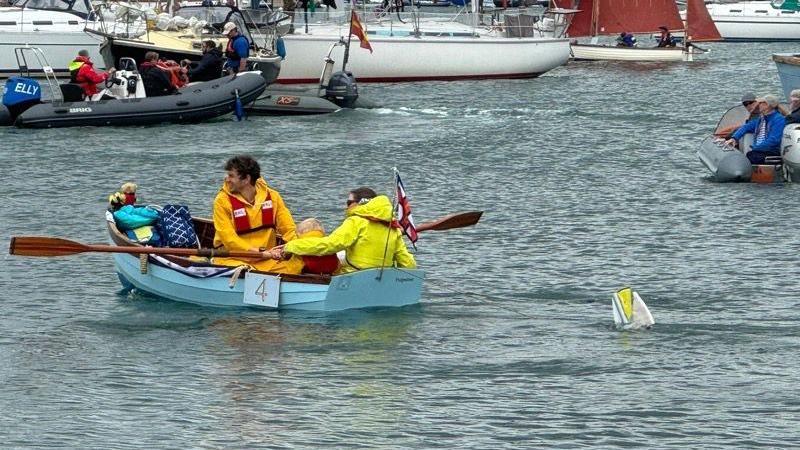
{"x": 414, "y": 21}
{"x": 24, "y": 54}
{"x": 120, "y": 20}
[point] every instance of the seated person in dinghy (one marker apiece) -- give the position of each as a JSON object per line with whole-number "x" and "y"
{"x": 160, "y": 77}
{"x": 768, "y": 130}
{"x": 326, "y": 264}
{"x": 82, "y": 73}
{"x": 249, "y": 215}
{"x": 368, "y": 235}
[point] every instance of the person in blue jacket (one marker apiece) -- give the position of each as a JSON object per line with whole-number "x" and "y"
{"x": 768, "y": 130}
{"x": 626, "y": 40}
{"x": 238, "y": 49}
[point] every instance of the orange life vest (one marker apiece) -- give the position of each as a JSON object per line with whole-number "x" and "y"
{"x": 242, "y": 222}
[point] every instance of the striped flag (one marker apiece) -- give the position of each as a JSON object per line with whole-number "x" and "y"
{"x": 403, "y": 212}
{"x": 358, "y": 30}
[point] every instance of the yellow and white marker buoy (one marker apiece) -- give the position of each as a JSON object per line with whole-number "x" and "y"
{"x": 630, "y": 312}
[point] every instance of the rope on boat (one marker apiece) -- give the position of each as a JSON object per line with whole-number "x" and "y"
{"x": 143, "y": 263}
{"x": 237, "y": 273}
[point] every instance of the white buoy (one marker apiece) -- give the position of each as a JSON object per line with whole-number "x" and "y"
{"x": 629, "y": 310}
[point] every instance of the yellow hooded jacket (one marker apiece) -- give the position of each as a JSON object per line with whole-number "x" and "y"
{"x": 363, "y": 240}
{"x": 266, "y": 238}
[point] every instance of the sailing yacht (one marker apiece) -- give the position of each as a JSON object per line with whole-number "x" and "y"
{"x": 612, "y": 17}
{"x": 55, "y": 26}
{"x": 757, "y": 21}
{"x": 416, "y": 46}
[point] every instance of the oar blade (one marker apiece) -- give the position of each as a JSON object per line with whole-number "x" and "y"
{"x": 44, "y": 246}
{"x": 457, "y": 220}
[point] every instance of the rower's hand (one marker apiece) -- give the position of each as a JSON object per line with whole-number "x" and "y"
{"x": 274, "y": 253}
{"x": 731, "y": 142}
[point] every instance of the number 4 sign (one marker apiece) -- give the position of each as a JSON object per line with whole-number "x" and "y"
{"x": 261, "y": 290}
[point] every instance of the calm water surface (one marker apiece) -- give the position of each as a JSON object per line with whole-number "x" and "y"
{"x": 589, "y": 182}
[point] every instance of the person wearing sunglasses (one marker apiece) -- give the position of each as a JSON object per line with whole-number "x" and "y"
{"x": 750, "y": 104}
{"x": 767, "y": 128}
{"x": 369, "y": 236}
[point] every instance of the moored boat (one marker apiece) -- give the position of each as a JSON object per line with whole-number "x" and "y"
{"x": 418, "y": 47}
{"x": 788, "y": 65}
{"x": 187, "y": 280}
{"x": 55, "y": 26}
{"x": 133, "y": 34}
{"x": 757, "y": 21}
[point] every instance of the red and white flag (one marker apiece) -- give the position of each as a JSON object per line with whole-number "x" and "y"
{"x": 403, "y": 212}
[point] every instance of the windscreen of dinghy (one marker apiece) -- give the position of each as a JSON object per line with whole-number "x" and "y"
{"x": 733, "y": 117}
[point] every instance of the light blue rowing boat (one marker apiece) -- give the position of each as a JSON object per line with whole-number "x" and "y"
{"x": 184, "y": 280}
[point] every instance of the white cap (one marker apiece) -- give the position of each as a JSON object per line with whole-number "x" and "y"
{"x": 229, "y": 26}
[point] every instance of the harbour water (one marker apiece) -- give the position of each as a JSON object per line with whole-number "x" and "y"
{"x": 589, "y": 182}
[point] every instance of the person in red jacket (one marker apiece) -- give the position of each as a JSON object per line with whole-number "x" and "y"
{"x": 81, "y": 71}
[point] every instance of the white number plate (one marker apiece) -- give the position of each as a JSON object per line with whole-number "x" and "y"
{"x": 261, "y": 290}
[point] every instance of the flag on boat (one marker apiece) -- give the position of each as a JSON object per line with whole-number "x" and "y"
{"x": 358, "y": 30}
{"x": 403, "y": 212}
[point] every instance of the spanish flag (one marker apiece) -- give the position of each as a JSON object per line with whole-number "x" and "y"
{"x": 358, "y": 30}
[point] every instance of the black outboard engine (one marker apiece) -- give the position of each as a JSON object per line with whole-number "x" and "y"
{"x": 19, "y": 94}
{"x": 342, "y": 89}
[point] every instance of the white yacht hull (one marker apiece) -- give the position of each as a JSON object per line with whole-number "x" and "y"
{"x": 59, "y": 48}
{"x": 408, "y": 58}
{"x": 755, "y": 21}
{"x": 59, "y": 33}
{"x": 597, "y": 52}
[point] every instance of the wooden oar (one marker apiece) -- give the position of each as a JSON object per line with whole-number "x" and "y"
{"x": 49, "y": 246}
{"x": 457, "y": 220}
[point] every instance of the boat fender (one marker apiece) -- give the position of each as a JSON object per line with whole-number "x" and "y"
{"x": 280, "y": 47}
{"x": 20, "y": 93}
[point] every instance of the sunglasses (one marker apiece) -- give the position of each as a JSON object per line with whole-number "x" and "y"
{"x": 747, "y": 103}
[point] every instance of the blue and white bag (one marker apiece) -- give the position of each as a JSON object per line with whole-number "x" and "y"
{"x": 177, "y": 228}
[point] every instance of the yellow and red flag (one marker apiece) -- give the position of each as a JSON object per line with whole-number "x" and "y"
{"x": 358, "y": 30}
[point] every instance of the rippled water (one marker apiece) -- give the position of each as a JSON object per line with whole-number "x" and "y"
{"x": 589, "y": 182}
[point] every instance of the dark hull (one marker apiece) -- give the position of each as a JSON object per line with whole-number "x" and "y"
{"x": 114, "y": 49}
{"x": 194, "y": 103}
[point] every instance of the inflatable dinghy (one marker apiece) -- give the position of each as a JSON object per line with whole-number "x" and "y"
{"x": 630, "y": 312}
{"x": 730, "y": 164}
{"x": 24, "y": 108}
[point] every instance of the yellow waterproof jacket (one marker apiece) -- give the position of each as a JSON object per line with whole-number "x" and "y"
{"x": 363, "y": 240}
{"x": 266, "y": 238}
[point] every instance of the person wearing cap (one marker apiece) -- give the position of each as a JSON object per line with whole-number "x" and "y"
{"x": 81, "y": 72}
{"x": 238, "y": 49}
{"x": 794, "y": 106}
{"x": 666, "y": 39}
{"x": 749, "y": 103}
{"x": 768, "y": 130}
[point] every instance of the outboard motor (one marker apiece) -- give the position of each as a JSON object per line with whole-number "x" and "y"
{"x": 342, "y": 89}
{"x": 19, "y": 94}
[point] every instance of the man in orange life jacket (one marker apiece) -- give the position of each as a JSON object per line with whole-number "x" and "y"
{"x": 81, "y": 71}
{"x": 249, "y": 216}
